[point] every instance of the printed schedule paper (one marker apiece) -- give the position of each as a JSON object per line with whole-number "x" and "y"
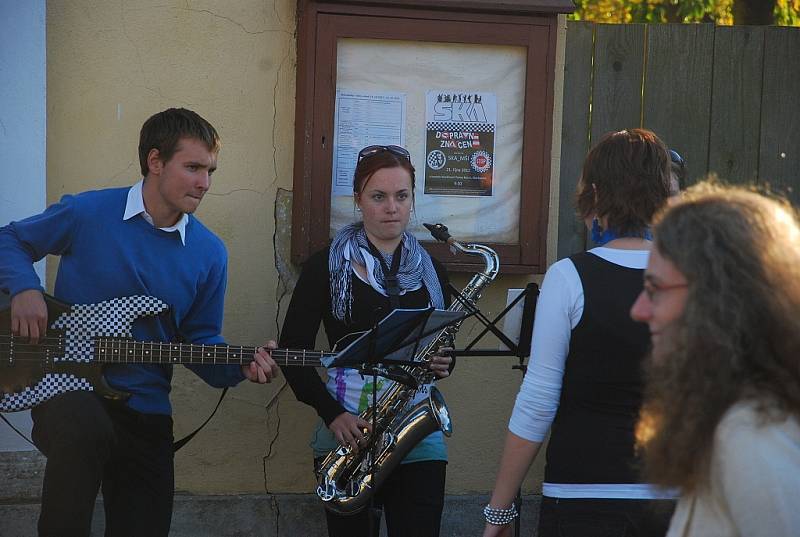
{"x": 363, "y": 119}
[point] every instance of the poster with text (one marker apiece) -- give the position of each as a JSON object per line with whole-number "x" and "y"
{"x": 362, "y": 119}
{"x": 459, "y": 142}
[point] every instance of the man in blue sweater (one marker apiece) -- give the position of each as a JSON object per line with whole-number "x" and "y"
{"x": 120, "y": 242}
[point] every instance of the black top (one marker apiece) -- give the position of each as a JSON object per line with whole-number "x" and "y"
{"x": 592, "y": 437}
{"x": 311, "y": 304}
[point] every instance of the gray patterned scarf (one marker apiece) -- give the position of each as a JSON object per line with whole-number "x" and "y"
{"x": 350, "y": 246}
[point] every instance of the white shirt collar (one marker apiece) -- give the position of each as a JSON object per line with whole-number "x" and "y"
{"x": 135, "y": 207}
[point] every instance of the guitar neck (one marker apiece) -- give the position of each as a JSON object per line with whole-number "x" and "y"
{"x": 123, "y": 351}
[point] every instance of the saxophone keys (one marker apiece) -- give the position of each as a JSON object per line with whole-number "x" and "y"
{"x": 327, "y": 490}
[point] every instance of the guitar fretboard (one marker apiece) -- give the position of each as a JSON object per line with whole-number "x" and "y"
{"x": 110, "y": 350}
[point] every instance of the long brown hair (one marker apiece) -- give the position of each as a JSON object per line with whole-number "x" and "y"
{"x": 739, "y": 335}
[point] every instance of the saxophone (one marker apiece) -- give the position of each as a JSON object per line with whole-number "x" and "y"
{"x": 346, "y": 478}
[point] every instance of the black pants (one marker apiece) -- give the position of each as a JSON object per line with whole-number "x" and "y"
{"x": 560, "y": 517}
{"x": 89, "y": 442}
{"x": 412, "y": 498}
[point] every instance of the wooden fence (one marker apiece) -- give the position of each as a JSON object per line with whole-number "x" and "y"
{"x": 726, "y": 98}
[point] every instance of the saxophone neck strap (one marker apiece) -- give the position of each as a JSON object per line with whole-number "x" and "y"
{"x": 390, "y": 280}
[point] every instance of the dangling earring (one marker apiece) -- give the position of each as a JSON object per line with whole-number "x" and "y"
{"x": 358, "y": 208}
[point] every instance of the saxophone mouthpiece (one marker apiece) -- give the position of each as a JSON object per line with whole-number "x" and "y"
{"x": 439, "y": 232}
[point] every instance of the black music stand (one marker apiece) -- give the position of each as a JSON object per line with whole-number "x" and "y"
{"x": 395, "y": 339}
{"x": 521, "y": 350}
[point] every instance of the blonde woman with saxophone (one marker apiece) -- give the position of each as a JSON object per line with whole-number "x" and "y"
{"x": 584, "y": 382}
{"x": 370, "y": 268}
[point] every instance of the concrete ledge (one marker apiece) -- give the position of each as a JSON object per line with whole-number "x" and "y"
{"x": 21, "y": 473}
{"x": 261, "y": 515}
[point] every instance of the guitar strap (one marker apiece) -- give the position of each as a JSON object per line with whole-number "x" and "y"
{"x": 170, "y": 314}
{"x": 175, "y": 446}
{"x": 185, "y": 440}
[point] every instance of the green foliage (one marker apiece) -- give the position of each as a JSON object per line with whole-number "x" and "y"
{"x": 787, "y": 12}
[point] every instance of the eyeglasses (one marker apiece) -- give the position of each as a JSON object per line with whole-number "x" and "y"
{"x": 675, "y": 157}
{"x": 372, "y": 150}
{"x": 652, "y": 289}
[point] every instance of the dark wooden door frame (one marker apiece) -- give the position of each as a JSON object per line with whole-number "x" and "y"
{"x": 322, "y": 24}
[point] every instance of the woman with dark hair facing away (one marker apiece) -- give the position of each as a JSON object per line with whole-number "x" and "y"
{"x": 584, "y": 381}
{"x": 721, "y": 414}
{"x": 371, "y": 268}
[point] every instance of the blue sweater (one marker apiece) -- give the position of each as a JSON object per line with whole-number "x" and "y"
{"x": 104, "y": 256}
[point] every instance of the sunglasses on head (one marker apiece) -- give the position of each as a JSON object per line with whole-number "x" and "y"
{"x": 372, "y": 150}
{"x": 675, "y": 157}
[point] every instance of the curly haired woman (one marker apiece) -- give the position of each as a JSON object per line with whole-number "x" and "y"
{"x": 721, "y": 417}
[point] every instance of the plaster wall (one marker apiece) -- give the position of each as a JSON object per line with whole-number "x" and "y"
{"x": 113, "y": 63}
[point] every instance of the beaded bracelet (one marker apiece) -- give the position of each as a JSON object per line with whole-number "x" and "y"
{"x": 500, "y": 517}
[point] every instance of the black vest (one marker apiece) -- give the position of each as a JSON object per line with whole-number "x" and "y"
{"x": 592, "y": 439}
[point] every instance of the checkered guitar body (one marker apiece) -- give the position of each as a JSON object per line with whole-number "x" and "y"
{"x": 82, "y": 338}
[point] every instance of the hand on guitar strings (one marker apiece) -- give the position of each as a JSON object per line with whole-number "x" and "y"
{"x": 263, "y": 368}
{"x": 29, "y": 315}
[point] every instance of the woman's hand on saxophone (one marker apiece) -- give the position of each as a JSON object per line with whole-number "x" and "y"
{"x": 349, "y": 430}
{"x": 440, "y": 363}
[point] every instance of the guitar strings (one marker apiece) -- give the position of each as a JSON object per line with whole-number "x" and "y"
{"x": 22, "y": 351}
{"x": 191, "y": 346}
{"x": 222, "y": 357}
{"x": 133, "y": 341}
{"x": 59, "y": 361}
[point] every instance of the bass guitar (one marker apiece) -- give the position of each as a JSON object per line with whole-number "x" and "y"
{"x": 83, "y": 338}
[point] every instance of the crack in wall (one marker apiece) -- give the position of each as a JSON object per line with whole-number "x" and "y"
{"x": 110, "y": 181}
{"x": 275, "y": 117}
{"x": 283, "y": 284}
{"x": 223, "y": 17}
{"x": 141, "y": 80}
{"x": 235, "y": 22}
{"x": 128, "y": 167}
{"x": 246, "y": 401}
{"x": 283, "y": 287}
{"x": 237, "y": 190}
{"x": 277, "y": 13}
{"x": 131, "y": 41}
{"x": 274, "y": 401}
{"x": 281, "y": 243}
{"x": 286, "y": 56}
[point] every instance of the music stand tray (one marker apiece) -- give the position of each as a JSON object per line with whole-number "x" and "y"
{"x": 395, "y": 339}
